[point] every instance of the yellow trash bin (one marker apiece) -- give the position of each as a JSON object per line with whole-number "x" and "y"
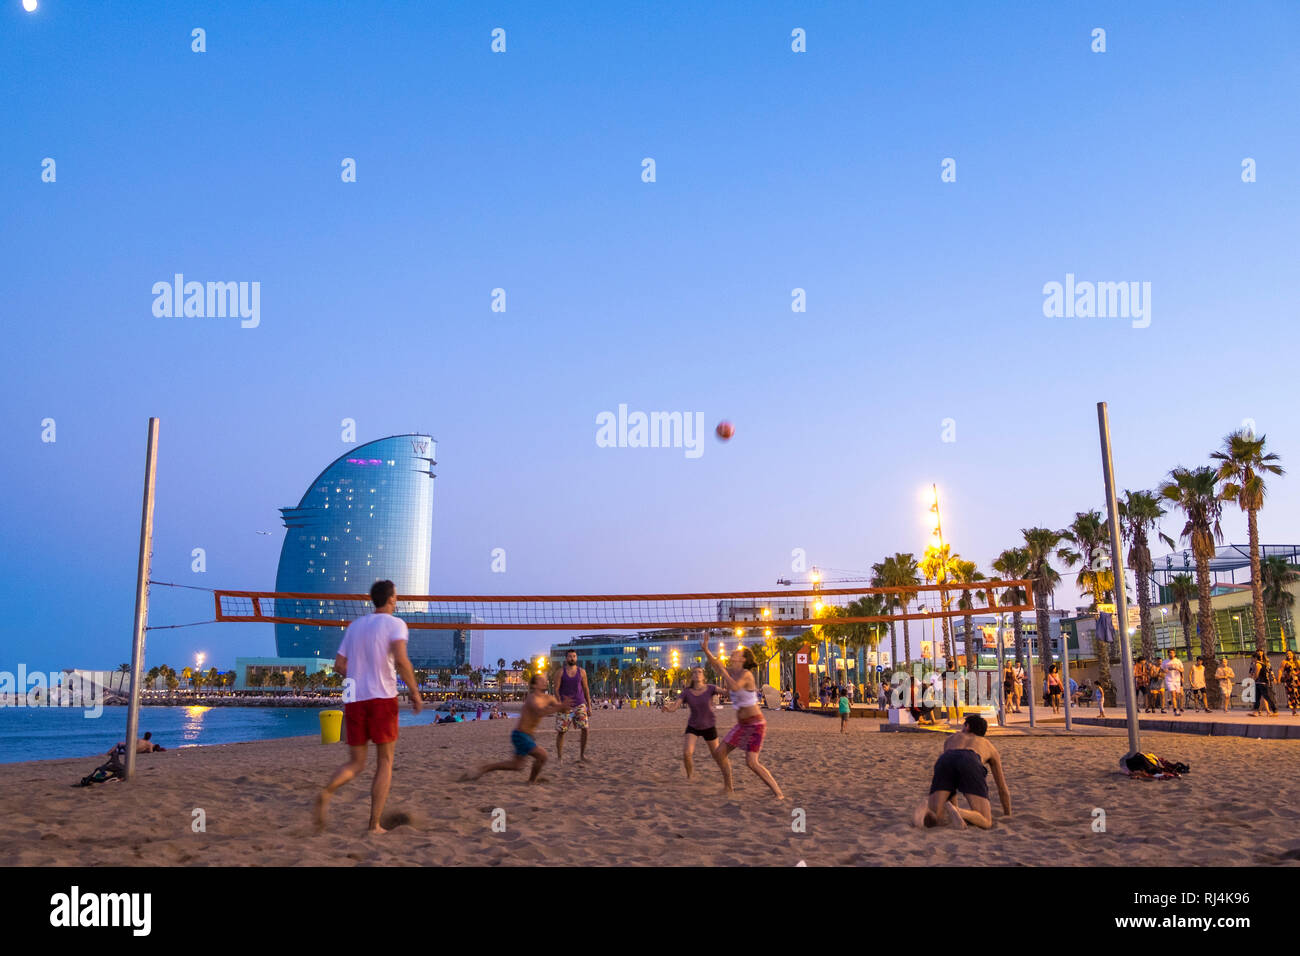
{"x": 331, "y": 725}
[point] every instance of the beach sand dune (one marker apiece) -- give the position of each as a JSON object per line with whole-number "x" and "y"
{"x": 631, "y": 805}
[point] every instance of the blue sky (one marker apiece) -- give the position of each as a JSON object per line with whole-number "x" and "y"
{"x": 522, "y": 171}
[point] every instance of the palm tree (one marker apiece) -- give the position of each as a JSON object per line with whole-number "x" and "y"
{"x": 1089, "y": 532}
{"x": 1192, "y": 491}
{"x": 968, "y": 572}
{"x": 1182, "y": 588}
{"x": 899, "y": 571}
{"x": 1042, "y": 544}
{"x": 501, "y": 664}
{"x": 1013, "y": 565}
{"x": 937, "y": 566}
{"x": 1242, "y": 467}
{"x": 1277, "y": 576}
{"x": 1139, "y": 514}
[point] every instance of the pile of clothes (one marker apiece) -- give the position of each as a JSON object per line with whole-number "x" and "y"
{"x": 1151, "y": 767}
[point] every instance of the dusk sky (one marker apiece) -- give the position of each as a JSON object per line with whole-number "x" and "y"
{"x": 775, "y": 170}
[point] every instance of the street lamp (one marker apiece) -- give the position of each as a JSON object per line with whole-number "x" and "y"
{"x": 937, "y": 532}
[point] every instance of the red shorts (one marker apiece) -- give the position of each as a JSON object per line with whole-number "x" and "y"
{"x": 374, "y": 719}
{"x": 746, "y": 735}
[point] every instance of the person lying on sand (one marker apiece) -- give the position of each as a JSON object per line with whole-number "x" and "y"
{"x": 963, "y": 768}
{"x": 537, "y": 704}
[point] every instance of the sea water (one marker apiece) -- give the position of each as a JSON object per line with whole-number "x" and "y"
{"x": 45, "y": 733}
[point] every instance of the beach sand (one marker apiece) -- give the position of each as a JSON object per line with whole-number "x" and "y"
{"x": 631, "y": 804}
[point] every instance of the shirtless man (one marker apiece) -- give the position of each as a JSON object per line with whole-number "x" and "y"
{"x": 963, "y": 768}
{"x": 537, "y": 704}
{"x": 144, "y": 745}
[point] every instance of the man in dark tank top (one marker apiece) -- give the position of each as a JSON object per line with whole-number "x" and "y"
{"x": 571, "y": 685}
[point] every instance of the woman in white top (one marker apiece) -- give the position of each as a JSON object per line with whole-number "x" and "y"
{"x": 747, "y": 735}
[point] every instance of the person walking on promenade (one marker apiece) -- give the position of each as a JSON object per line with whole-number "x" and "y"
{"x": 1225, "y": 675}
{"x": 1140, "y": 681}
{"x": 1263, "y": 675}
{"x": 1054, "y": 688}
{"x": 1019, "y": 672}
{"x": 570, "y": 683}
{"x": 1099, "y": 698}
{"x": 1197, "y": 698}
{"x": 1173, "y": 670}
{"x": 1290, "y": 679}
{"x": 1156, "y": 686}
{"x": 372, "y": 654}
{"x": 747, "y": 734}
{"x": 698, "y": 699}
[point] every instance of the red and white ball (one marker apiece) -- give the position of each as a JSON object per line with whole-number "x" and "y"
{"x": 725, "y": 430}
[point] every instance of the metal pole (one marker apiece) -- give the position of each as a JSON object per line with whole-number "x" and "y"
{"x": 1029, "y": 679}
{"x": 1117, "y": 565}
{"x": 141, "y": 598}
{"x": 1065, "y": 673}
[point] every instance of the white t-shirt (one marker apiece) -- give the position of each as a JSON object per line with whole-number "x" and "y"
{"x": 367, "y": 647}
{"x": 1173, "y": 674}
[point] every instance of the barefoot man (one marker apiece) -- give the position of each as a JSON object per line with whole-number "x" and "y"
{"x": 963, "y": 768}
{"x": 373, "y": 652}
{"x": 537, "y": 704}
{"x": 571, "y": 684}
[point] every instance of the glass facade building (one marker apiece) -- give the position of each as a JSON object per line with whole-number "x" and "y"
{"x": 367, "y": 516}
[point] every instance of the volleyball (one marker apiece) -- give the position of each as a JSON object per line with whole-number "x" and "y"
{"x": 725, "y": 430}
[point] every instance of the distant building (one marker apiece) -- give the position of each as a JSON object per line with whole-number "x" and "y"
{"x": 264, "y": 667}
{"x": 368, "y": 516}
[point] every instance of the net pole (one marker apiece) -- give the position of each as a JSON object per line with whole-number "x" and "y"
{"x": 141, "y": 597}
{"x": 1029, "y": 678}
{"x": 1117, "y": 566}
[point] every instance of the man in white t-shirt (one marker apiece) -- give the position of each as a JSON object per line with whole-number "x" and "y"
{"x": 1173, "y": 669}
{"x": 372, "y": 654}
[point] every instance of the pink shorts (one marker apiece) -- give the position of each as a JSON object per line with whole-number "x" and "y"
{"x": 746, "y": 735}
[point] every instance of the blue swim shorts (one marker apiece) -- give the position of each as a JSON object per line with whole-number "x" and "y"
{"x": 523, "y": 743}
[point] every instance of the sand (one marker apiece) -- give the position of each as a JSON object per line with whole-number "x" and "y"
{"x": 631, "y": 804}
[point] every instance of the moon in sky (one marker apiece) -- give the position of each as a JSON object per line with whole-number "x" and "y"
{"x": 29, "y": 5}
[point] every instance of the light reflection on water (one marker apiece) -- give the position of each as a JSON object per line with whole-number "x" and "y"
{"x": 193, "y": 725}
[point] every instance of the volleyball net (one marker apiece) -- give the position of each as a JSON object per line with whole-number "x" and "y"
{"x": 775, "y": 608}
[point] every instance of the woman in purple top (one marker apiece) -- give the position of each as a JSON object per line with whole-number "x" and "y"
{"x": 699, "y": 698}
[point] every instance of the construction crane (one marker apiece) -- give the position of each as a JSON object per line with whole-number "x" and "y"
{"x": 817, "y": 577}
